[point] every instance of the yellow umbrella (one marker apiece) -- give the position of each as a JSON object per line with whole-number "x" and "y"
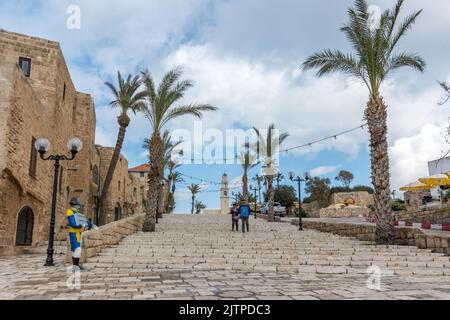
{"x": 416, "y": 186}
{"x": 436, "y": 180}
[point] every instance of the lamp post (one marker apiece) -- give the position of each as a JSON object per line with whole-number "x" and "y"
{"x": 299, "y": 181}
{"x": 259, "y": 186}
{"x": 42, "y": 145}
{"x": 256, "y": 199}
{"x": 235, "y": 196}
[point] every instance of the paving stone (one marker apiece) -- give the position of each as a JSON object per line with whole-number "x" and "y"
{"x": 198, "y": 257}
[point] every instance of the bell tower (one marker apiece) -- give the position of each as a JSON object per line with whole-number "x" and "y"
{"x": 224, "y": 196}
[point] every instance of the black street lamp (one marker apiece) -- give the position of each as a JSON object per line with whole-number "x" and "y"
{"x": 235, "y": 197}
{"x": 256, "y": 199}
{"x": 299, "y": 180}
{"x": 259, "y": 186}
{"x": 42, "y": 145}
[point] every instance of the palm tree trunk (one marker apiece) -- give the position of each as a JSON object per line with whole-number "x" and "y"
{"x": 245, "y": 187}
{"x": 124, "y": 122}
{"x": 271, "y": 214}
{"x": 154, "y": 180}
{"x": 160, "y": 200}
{"x": 169, "y": 186}
{"x": 376, "y": 116}
{"x": 193, "y": 204}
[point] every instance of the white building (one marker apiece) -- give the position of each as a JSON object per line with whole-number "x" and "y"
{"x": 441, "y": 166}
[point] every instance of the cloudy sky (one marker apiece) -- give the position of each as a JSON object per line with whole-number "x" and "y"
{"x": 244, "y": 57}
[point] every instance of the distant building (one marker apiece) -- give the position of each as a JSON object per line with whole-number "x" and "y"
{"x": 439, "y": 166}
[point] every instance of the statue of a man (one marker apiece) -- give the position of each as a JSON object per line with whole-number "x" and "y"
{"x": 78, "y": 224}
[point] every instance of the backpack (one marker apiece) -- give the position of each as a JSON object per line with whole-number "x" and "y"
{"x": 245, "y": 212}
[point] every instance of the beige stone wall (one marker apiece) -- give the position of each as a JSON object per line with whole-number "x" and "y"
{"x": 361, "y": 199}
{"x": 366, "y": 232}
{"x": 344, "y": 212}
{"x": 414, "y": 199}
{"x": 124, "y": 192}
{"x": 312, "y": 208}
{"x": 108, "y": 235}
{"x": 37, "y": 107}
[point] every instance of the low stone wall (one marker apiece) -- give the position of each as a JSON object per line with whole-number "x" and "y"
{"x": 108, "y": 235}
{"x": 344, "y": 212}
{"x": 439, "y": 216}
{"x": 366, "y": 232}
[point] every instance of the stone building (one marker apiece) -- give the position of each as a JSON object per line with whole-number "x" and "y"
{"x": 124, "y": 198}
{"x": 38, "y": 99}
{"x": 141, "y": 173}
{"x": 348, "y": 204}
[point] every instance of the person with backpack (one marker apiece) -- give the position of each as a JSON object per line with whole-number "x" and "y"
{"x": 235, "y": 217}
{"x": 244, "y": 213}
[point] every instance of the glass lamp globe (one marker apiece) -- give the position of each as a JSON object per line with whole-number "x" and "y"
{"x": 75, "y": 144}
{"x": 42, "y": 145}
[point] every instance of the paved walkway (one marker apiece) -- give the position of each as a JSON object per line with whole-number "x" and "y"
{"x": 198, "y": 257}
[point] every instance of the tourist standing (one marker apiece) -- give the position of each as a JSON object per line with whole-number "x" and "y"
{"x": 244, "y": 213}
{"x": 235, "y": 217}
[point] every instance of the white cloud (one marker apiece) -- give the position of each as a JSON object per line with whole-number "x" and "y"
{"x": 410, "y": 155}
{"x": 324, "y": 170}
{"x": 103, "y": 138}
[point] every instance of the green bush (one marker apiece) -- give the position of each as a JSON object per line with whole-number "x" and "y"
{"x": 398, "y": 206}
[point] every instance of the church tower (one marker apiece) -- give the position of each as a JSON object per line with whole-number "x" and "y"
{"x": 224, "y": 196}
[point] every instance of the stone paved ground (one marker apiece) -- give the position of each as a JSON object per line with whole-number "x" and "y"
{"x": 198, "y": 257}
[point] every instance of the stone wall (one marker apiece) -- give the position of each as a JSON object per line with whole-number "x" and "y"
{"x": 45, "y": 104}
{"x": 440, "y": 216}
{"x": 360, "y": 198}
{"x": 342, "y": 211}
{"x": 124, "y": 193}
{"x": 312, "y": 209}
{"x": 366, "y": 232}
{"x": 414, "y": 199}
{"x": 108, "y": 235}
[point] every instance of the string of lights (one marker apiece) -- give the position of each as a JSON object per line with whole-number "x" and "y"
{"x": 287, "y": 150}
{"x": 334, "y": 136}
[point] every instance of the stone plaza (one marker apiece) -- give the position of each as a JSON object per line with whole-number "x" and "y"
{"x": 198, "y": 257}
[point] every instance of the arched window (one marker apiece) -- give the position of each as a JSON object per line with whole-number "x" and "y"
{"x": 118, "y": 213}
{"x": 25, "y": 223}
{"x": 95, "y": 174}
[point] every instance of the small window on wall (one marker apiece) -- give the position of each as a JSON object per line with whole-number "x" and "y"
{"x": 64, "y": 92}
{"x": 33, "y": 159}
{"x": 25, "y": 65}
{"x": 142, "y": 174}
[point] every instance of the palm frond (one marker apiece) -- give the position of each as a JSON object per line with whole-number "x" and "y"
{"x": 192, "y": 109}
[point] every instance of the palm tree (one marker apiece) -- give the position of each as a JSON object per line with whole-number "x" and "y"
{"x": 279, "y": 177}
{"x": 169, "y": 148}
{"x": 160, "y": 109}
{"x": 172, "y": 166}
{"x": 194, "y": 189}
{"x": 199, "y": 206}
{"x": 373, "y": 60}
{"x": 269, "y": 146}
{"x": 177, "y": 177}
{"x": 127, "y": 97}
{"x": 247, "y": 159}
